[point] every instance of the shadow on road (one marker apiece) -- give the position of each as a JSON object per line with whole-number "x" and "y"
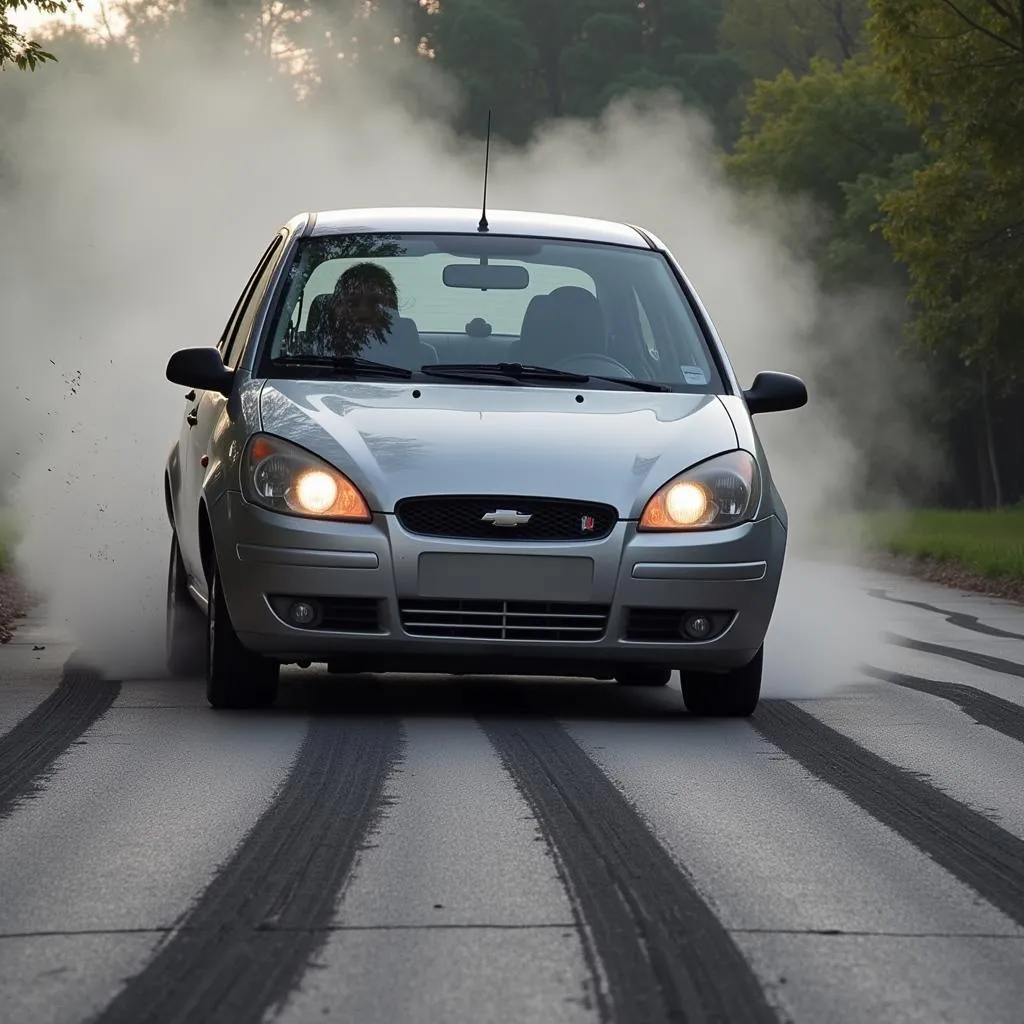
{"x": 318, "y": 693}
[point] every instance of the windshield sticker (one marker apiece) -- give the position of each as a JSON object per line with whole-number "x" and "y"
{"x": 694, "y": 375}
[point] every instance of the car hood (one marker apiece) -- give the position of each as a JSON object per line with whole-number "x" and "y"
{"x": 400, "y": 439}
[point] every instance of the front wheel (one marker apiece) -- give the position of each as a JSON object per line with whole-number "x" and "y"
{"x": 732, "y": 694}
{"x": 185, "y": 636}
{"x": 235, "y": 676}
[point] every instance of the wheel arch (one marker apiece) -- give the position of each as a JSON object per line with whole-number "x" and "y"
{"x": 207, "y": 552}
{"x": 168, "y": 498}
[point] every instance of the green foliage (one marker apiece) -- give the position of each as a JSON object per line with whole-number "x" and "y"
{"x": 838, "y": 136}
{"x": 989, "y": 543}
{"x": 530, "y": 60}
{"x": 959, "y": 225}
{"x": 770, "y": 36}
{"x": 15, "y": 47}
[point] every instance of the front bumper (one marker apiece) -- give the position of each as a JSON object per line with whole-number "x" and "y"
{"x": 393, "y": 601}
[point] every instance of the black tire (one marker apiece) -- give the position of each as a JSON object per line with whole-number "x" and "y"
{"x": 732, "y": 694}
{"x": 235, "y": 676}
{"x": 185, "y": 631}
{"x": 643, "y": 675}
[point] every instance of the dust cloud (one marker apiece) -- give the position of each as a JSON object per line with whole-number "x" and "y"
{"x": 141, "y": 205}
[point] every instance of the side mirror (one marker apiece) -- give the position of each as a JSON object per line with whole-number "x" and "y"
{"x": 200, "y": 368}
{"x": 775, "y": 392}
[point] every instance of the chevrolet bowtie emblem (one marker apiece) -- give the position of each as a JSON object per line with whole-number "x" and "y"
{"x": 506, "y": 517}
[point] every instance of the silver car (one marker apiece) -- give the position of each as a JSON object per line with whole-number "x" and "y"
{"x": 430, "y": 441}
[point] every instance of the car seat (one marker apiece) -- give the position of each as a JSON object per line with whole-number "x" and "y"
{"x": 557, "y": 326}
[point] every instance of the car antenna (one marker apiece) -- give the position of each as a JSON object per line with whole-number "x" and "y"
{"x": 483, "y": 226}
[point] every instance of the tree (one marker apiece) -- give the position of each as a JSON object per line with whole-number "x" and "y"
{"x": 959, "y": 70}
{"x": 15, "y": 47}
{"x": 959, "y": 225}
{"x": 498, "y": 62}
{"x": 839, "y": 137}
{"x": 770, "y": 36}
{"x": 668, "y": 45}
{"x": 531, "y": 60}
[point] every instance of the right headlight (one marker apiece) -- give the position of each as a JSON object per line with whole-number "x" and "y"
{"x": 283, "y": 477}
{"x": 724, "y": 491}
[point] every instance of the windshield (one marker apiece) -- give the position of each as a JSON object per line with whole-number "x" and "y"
{"x": 420, "y": 300}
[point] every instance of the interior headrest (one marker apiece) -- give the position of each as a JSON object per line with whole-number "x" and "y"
{"x": 317, "y": 312}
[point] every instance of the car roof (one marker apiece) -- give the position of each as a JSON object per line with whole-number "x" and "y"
{"x": 411, "y": 219}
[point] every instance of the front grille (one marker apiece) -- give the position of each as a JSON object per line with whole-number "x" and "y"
{"x": 503, "y": 620}
{"x": 462, "y": 516}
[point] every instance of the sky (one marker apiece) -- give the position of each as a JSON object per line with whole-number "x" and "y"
{"x": 90, "y": 16}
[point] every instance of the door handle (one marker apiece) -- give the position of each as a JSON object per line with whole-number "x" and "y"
{"x": 192, "y": 418}
{"x": 190, "y": 396}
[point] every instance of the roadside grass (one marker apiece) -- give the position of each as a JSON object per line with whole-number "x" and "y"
{"x": 8, "y": 537}
{"x": 989, "y": 543}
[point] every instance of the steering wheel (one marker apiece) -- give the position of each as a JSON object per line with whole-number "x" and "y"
{"x": 595, "y": 363}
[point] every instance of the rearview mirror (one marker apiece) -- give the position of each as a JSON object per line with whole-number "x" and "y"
{"x": 775, "y": 392}
{"x": 200, "y": 368}
{"x": 499, "y": 276}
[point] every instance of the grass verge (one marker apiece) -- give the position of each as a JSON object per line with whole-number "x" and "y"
{"x": 990, "y": 544}
{"x": 968, "y": 550}
{"x": 8, "y": 539}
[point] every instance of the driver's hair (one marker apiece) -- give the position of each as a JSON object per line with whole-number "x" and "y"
{"x": 368, "y": 279}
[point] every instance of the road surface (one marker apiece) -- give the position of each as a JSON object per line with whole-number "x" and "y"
{"x": 433, "y": 850}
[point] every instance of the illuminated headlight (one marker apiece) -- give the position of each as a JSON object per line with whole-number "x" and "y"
{"x": 723, "y": 491}
{"x": 283, "y": 477}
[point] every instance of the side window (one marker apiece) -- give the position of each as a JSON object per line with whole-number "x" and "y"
{"x": 226, "y": 334}
{"x": 237, "y": 330}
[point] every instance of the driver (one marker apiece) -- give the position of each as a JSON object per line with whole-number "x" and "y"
{"x": 362, "y": 309}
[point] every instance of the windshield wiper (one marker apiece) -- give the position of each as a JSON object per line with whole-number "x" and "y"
{"x": 518, "y": 371}
{"x": 350, "y": 364}
{"x": 634, "y": 382}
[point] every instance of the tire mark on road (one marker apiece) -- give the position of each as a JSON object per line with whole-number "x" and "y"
{"x": 247, "y": 941}
{"x": 657, "y": 951}
{"x": 989, "y": 661}
{"x": 959, "y": 619}
{"x": 986, "y": 709}
{"x": 29, "y": 751}
{"x": 968, "y": 845}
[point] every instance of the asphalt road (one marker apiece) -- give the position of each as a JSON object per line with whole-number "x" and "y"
{"x": 435, "y": 850}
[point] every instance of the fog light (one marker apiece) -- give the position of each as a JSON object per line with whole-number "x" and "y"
{"x": 697, "y": 626}
{"x": 301, "y": 613}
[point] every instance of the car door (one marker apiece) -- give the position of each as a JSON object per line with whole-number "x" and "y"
{"x": 206, "y": 408}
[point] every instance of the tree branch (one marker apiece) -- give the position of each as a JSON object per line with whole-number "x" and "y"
{"x": 994, "y": 36}
{"x": 995, "y": 236}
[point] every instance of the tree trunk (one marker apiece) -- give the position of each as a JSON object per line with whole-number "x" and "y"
{"x": 551, "y": 60}
{"x": 990, "y": 442}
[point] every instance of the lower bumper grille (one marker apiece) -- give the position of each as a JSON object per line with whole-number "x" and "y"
{"x": 350, "y": 614}
{"x": 337, "y": 614}
{"x": 504, "y": 620}
{"x": 664, "y": 625}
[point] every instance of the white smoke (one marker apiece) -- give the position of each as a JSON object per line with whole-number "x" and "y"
{"x": 143, "y": 197}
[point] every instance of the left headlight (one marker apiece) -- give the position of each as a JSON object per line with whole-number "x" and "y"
{"x": 285, "y": 478}
{"x": 724, "y": 491}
